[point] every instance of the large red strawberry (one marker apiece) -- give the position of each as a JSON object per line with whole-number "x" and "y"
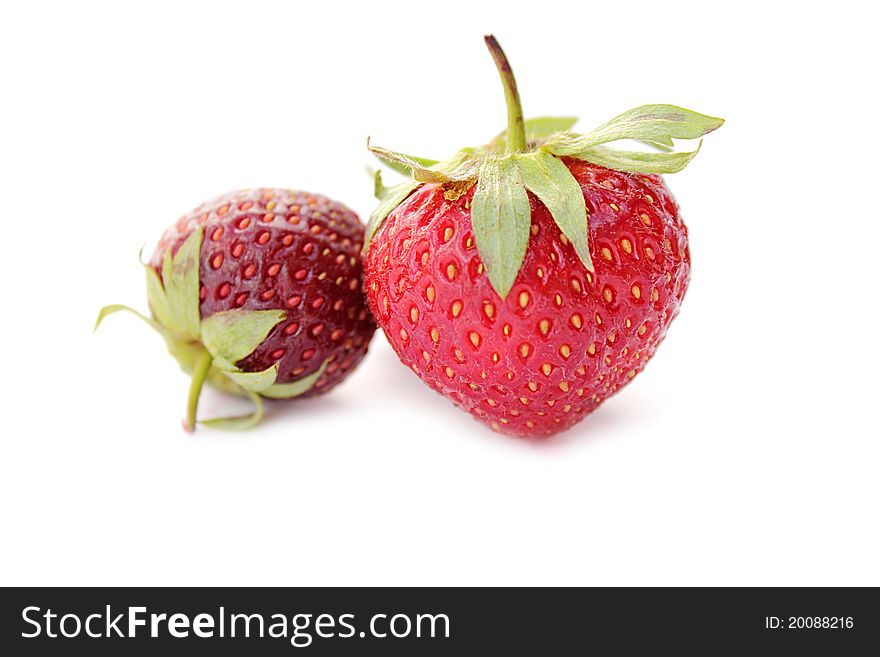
{"x": 530, "y": 279}
{"x": 259, "y": 293}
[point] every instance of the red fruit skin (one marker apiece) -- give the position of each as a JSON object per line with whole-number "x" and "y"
{"x": 564, "y": 339}
{"x": 266, "y": 249}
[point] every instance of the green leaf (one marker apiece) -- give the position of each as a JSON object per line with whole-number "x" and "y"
{"x": 654, "y": 124}
{"x": 156, "y": 295}
{"x": 408, "y": 164}
{"x": 636, "y": 162}
{"x": 233, "y": 334}
{"x": 550, "y": 180}
{"x": 180, "y": 279}
{"x": 539, "y": 128}
{"x": 115, "y": 308}
{"x": 462, "y": 166}
{"x": 455, "y": 168}
{"x": 296, "y": 388}
{"x": 240, "y": 422}
{"x": 186, "y": 352}
{"x": 224, "y": 365}
{"x": 459, "y": 168}
{"x": 174, "y": 299}
{"x": 379, "y": 188}
{"x": 659, "y": 123}
{"x": 664, "y": 145}
{"x": 501, "y": 218}
{"x": 403, "y": 169}
{"x": 544, "y": 126}
{"x": 253, "y": 381}
{"x": 392, "y": 197}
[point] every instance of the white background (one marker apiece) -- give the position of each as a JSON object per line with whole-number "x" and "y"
{"x": 747, "y": 453}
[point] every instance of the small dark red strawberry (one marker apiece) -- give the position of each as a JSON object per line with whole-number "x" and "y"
{"x": 530, "y": 279}
{"x": 259, "y": 293}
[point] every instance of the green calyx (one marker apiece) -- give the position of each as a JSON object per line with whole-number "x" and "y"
{"x": 526, "y": 158}
{"x": 208, "y": 349}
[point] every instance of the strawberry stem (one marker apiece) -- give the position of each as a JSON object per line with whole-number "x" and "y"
{"x": 516, "y": 132}
{"x": 203, "y": 364}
